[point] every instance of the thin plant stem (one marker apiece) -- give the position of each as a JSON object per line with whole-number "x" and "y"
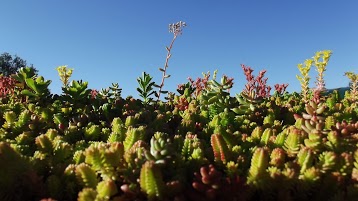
{"x": 176, "y": 29}
{"x": 166, "y": 65}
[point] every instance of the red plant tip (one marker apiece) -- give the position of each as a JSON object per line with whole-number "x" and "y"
{"x": 94, "y": 93}
{"x": 297, "y": 116}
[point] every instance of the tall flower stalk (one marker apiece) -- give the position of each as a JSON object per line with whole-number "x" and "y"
{"x": 176, "y": 29}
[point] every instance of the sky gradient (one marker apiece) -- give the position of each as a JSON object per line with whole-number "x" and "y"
{"x": 115, "y": 41}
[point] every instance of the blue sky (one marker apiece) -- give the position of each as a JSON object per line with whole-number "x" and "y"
{"x": 115, "y": 41}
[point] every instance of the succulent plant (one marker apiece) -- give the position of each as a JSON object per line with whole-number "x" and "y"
{"x": 216, "y": 97}
{"x": 202, "y": 144}
{"x": 19, "y": 181}
{"x": 151, "y": 181}
{"x": 132, "y": 136}
{"x": 304, "y": 78}
{"x": 353, "y": 85}
{"x": 161, "y": 149}
{"x": 257, "y": 170}
{"x": 220, "y": 148}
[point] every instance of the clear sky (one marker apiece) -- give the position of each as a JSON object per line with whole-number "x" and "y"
{"x": 115, "y": 41}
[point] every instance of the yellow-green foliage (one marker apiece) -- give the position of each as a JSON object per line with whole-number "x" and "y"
{"x": 259, "y": 163}
{"x": 292, "y": 142}
{"x": 304, "y": 78}
{"x": 320, "y": 61}
{"x": 118, "y": 131}
{"x": 353, "y": 77}
{"x": 305, "y": 158}
{"x": 106, "y": 189}
{"x": 86, "y": 176}
{"x": 132, "y": 136}
{"x": 151, "y": 181}
{"x": 87, "y": 194}
{"x": 92, "y": 132}
{"x": 105, "y": 158}
{"x": 65, "y": 74}
{"x": 205, "y": 146}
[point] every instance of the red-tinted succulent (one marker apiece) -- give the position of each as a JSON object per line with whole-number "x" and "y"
{"x": 7, "y": 85}
{"x": 257, "y": 85}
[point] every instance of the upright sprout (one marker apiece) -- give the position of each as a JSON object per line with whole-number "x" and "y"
{"x": 65, "y": 74}
{"x": 353, "y": 84}
{"x": 176, "y": 29}
{"x": 320, "y": 61}
{"x": 305, "y": 78}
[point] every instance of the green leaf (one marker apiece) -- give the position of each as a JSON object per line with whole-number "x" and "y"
{"x": 31, "y": 83}
{"x": 28, "y": 93}
{"x": 139, "y": 90}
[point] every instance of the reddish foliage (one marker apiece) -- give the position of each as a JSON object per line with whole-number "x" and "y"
{"x": 7, "y": 85}
{"x": 211, "y": 184}
{"x": 182, "y": 104}
{"x": 94, "y": 93}
{"x": 281, "y": 88}
{"x": 199, "y": 84}
{"x": 256, "y": 85}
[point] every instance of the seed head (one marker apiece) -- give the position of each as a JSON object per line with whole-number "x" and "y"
{"x": 176, "y": 28}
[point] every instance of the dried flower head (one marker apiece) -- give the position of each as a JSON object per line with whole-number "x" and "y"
{"x": 177, "y": 28}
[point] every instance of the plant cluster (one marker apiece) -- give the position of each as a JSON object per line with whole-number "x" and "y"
{"x": 201, "y": 144}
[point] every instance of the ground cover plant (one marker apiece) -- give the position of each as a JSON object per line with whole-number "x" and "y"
{"x": 200, "y": 143}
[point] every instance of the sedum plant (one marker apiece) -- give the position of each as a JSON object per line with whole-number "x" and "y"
{"x": 202, "y": 144}
{"x": 65, "y": 74}
{"x": 321, "y": 59}
{"x": 151, "y": 181}
{"x": 353, "y": 77}
{"x": 217, "y": 95}
{"x": 304, "y": 78}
